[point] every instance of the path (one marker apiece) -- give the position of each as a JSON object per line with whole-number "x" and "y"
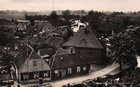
{"x": 79, "y": 79}
{"x": 91, "y": 75}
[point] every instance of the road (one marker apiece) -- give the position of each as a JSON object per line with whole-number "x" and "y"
{"x": 79, "y": 79}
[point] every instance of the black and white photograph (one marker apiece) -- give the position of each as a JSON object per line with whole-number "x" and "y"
{"x": 69, "y": 43}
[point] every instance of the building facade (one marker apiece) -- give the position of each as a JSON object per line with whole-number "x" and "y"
{"x": 67, "y": 65}
{"x": 87, "y": 45}
{"x": 30, "y": 66}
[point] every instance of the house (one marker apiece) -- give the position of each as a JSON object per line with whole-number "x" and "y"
{"x": 30, "y": 66}
{"x": 55, "y": 41}
{"x": 87, "y": 45}
{"x": 66, "y": 65}
{"x": 33, "y": 40}
{"x": 21, "y": 26}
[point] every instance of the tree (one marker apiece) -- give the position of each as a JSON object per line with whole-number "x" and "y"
{"x": 32, "y": 21}
{"x": 66, "y": 14}
{"x": 94, "y": 17}
{"x": 53, "y": 19}
{"x": 7, "y": 60}
{"x": 123, "y": 47}
{"x": 53, "y": 15}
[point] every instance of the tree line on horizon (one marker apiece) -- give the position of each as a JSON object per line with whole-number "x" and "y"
{"x": 102, "y": 22}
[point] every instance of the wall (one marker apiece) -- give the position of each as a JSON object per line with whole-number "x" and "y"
{"x": 28, "y": 66}
{"x": 74, "y": 72}
{"x": 90, "y": 55}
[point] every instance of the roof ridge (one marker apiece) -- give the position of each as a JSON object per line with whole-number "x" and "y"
{"x": 54, "y": 56}
{"x": 28, "y": 56}
{"x": 60, "y": 42}
{"x": 58, "y": 50}
{"x": 20, "y": 51}
{"x": 31, "y": 52}
{"x": 95, "y": 37}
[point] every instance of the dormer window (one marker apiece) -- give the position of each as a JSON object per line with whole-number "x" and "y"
{"x": 83, "y": 42}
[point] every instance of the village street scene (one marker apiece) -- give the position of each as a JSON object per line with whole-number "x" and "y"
{"x": 44, "y": 45}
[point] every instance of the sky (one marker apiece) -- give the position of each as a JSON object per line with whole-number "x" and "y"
{"x": 45, "y": 5}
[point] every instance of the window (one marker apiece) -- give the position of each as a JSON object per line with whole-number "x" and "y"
{"x": 78, "y": 52}
{"x": 78, "y": 69}
{"x": 34, "y": 63}
{"x": 25, "y": 76}
{"x": 46, "y": 74}
{"x": 36, "y": 75}
{"x": 56, "y": 71}
{"x": 84, "y": 68}
{"x": 82, "y": 42}
{"x": 69, "y": 70}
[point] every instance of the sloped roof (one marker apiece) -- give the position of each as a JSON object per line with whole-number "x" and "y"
{"x": 27, "y": 52}
{"x": 66, "y": 60}
{"x": 22, "y": 55}
{"x": 33, "y": 40}
{"x": 55, "y": 41}
{"x": 62, "y": 51}
{"x": 84, "y": 38}
{"x": 48, "y": 51}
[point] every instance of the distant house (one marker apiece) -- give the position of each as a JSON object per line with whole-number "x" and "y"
{"x": 55, "y": 41}
{"x": 30, "y": 66}
{"x": 66, "y": 65}
{"x": 21, "y": 26}
{"x": 33, "y": 40}
{"x": 87, "y": 45}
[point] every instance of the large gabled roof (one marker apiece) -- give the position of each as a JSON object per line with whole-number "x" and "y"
{"x": 22, "y": 55}
{"x": 27, "y": 52}
{"x": 59, "y": 61}
{"x": 84, "y": 38}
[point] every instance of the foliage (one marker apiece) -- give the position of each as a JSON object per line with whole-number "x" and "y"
{"x": 53, "y": 15}
{"x": 6, "y": 38}
{"x": 94, "y": 19}
{"x": 66, "y": 14}
{"x": 123, "y": 46}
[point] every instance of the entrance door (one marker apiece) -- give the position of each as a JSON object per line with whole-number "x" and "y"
{"x": 63, "y": 73}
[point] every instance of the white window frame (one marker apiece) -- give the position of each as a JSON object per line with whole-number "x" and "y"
{"x": 36, "y": 75}
{"x": 46, "y": 74}
{"x": 25, "y": 76}
{"x": 69, "y": 70}
{"x": 78, "y": 69}
{"x": 84, "y": 68}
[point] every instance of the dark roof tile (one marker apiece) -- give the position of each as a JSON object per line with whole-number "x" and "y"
{"x": 84, "y": 38}
{"x": 66, "y": 60}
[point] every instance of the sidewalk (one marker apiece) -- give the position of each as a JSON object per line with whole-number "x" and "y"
{"x": 79, "y": 79}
